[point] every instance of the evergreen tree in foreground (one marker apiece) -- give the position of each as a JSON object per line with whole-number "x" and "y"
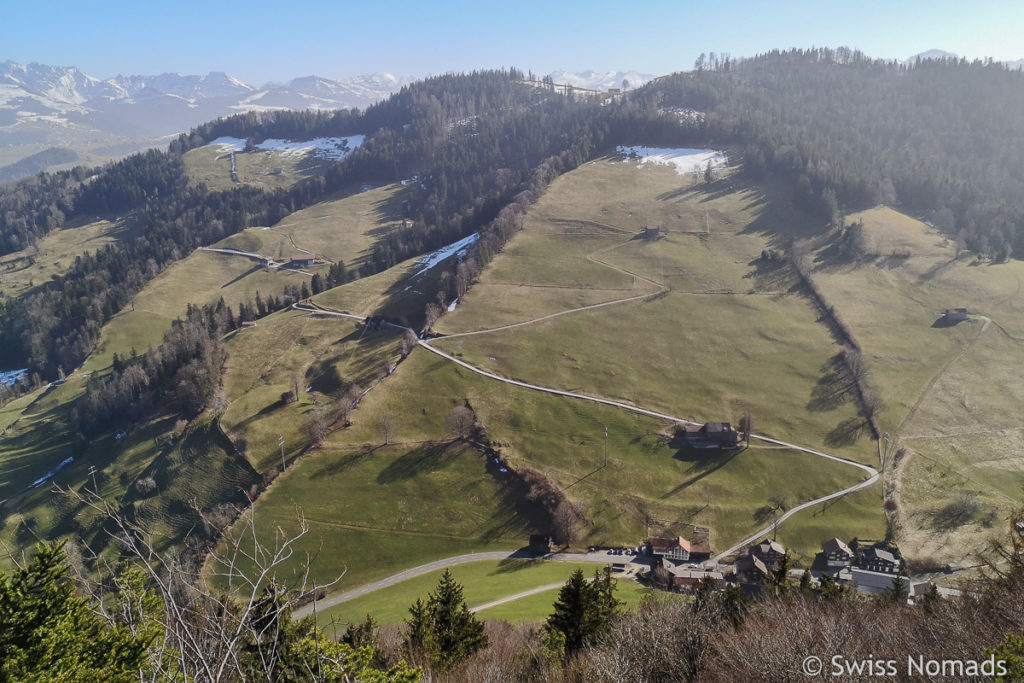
{"x": 443, "y": 628}
{"x": 584, "y": 609}
{"x": 49, "y": 633}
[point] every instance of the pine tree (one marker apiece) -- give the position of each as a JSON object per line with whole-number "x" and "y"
{"x": 49, "y": 633}
{"x": 584, "y": 609}
{"x": 897, "y": 592}
{"x": 830, "y": 590}
{"x": 778, "y": 578}
{"x": 444, "y": 628}
{"x": 805, "y": 582}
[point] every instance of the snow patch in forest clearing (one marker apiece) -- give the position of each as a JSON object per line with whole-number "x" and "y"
{"x": 459, "y": 248}
{"x": 331, "y": 149}
{"x": 453, "y": 304}
{"x": 685, "y": 160}
{"x": 228, "y": 144}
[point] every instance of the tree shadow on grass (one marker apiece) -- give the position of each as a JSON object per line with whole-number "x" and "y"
{"x": 705, "y": 461}
{"x": 846, "y": 432}
{"x": 264, "y": 411}
{"x": 515, "y": 564}
{"x": 834, "y": 388}
{"x": 255, "y": 269}
{"x": 515, "y": 512}
{"x": 415, "y": 462}
{"x": 343, "y": 463}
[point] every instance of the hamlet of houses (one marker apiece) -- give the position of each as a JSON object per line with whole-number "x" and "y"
{"x": 868, "y": 569}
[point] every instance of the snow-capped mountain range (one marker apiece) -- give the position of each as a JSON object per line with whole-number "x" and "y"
{"x": 37, "y": 97}
{"x": 51, "y": 106}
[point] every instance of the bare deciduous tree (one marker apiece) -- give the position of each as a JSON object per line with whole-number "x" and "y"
{"x": 318, "y": 423}
{"x": 217, "y": 625}
{"x": 460, "y": 422}
{"x": 431, "y": 315}
{"x": 408, "y": 342}
{"x": 347, "y": 403}
{"x": 747, "y": 425}
{"x": 565, "y": 523}
{"x": 386, "y": 428}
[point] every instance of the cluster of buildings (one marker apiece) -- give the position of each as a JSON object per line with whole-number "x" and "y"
{"x": 678, "y": 564}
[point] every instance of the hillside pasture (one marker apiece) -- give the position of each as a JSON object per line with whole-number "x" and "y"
{"x": 269, "y": 169}
{"x": 729, "y": 334}
{"x": 373, "y": 510}
{"x": 647, "y": 475}
{"x": 951, "y": 390}
{"x": 23, "y": 270}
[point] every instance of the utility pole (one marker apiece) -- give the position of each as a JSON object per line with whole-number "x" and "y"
{"x": 280, "y": 442}
{"x": 92, "y": 473}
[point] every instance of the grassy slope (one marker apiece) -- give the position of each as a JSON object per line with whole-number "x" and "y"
{"x": 696, "y": 350}
{"x": 951, "y": 393}
{"x": 379, "y": 509}
{"x": 22, "y": 270}
{"x": 483, "y": 582}
{"x": 564, "y": 438}
{"x": 37, "y": 439}
{"x": 212, "y": 167}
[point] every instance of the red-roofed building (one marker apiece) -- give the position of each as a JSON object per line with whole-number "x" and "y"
{"x": 679, "y": 549}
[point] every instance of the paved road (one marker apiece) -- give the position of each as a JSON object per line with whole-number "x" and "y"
{"x": 601, "y": 557}
{"x": 532, "y": 591}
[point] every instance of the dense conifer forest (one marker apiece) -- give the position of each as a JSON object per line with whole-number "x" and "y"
{"x": 942, "y": 139}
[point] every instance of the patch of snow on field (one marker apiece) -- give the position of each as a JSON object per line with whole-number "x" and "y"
{"x": 11, "y": 377}
{"x": 228, "y": 144}
{"x": 453, "y": 304}
{"x": 332, "y": 149}
{"x": 685, "y": 160}
{"x": 460, "y": 247}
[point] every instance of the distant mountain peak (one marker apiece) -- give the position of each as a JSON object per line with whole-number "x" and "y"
{"x": 933, "y": 54}
{"x": 594, "y": 80}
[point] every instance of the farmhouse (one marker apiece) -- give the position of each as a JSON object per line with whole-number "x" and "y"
{"x": 954, "y": 315}
{"x": 302, "y": 262}
{"x": 712, "y": 435}
{"x": 837, "y": 553}
{"x": 878, "y": 560}
{"x": 679, "y": 549}
{"x": 651, "y": 231}
{"x": 686, "y": 579}
{"x": 768, "y": 551}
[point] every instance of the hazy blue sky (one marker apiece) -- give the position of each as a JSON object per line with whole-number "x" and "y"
{"x": 259, "y": 41}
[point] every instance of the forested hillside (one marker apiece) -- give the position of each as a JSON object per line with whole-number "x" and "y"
{"x": 942, "y": 138}
{"x": 473, "y": 141}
